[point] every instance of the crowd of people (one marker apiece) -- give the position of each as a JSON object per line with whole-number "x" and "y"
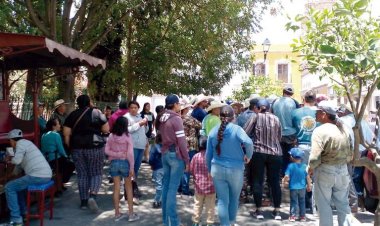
{"x": 231, "y": 150}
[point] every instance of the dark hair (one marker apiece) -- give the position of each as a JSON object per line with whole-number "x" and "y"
{"x": 120, "y": 127}
{"x": 17, "y": 138}
{"x": 83, "y": 101}
{"x": 159, "y": 109}
{"x": 169, "y": 106}
{"x": 331, "y": 117}
{"x": 108, "y": 107}
{"x": 145, "y": 106}
{"x": 225, "y": 121}
{"x": 202, "y": 143}
{"x": 123, "y": 104}
{"x": 252, "y": 103}
{"x": 133, "y": 102}
{"x": 52, "y": 122}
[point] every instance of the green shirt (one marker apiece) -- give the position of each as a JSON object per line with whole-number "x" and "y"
{"x": 330, "y": 145}
{"x": 210, "y": 122}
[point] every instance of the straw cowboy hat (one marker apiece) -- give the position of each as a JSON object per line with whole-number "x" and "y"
{"x": 215, "y": 104}
{"x": 59, "y": 103}
{"x": 185, "y": 104}
{"x": 199, "y": 99}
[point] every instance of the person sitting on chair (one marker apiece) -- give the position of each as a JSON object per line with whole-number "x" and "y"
{"x": 37, "y": 171}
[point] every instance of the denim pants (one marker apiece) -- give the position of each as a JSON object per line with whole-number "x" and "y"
{"x": 15, "y": 193}
{"x": 297, "y": 201}
{"x": 228, "y": 183}
{"x": 173, "y": 171}
{"x": 138, "y": 154}
{"x": 157, "y": 176}
{"x": 185, "y": 181}
{"x": 272, "y": 164}
{"x": 332, "y": 184}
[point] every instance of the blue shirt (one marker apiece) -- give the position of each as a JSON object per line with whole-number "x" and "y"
{"x": 304, "y": 122}
{"x": 297, "y": 175}
{"x": 349, "y": 121}
{"x": 244, "y": 117}
{"x": 199, "y": 113}
{"x": 283, "y": 109}
{"x": 232, "y": 154}
{"x": 51, "y": 142}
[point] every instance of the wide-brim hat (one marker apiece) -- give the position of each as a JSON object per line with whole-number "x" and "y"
{"x": 185, "y": 104}
{"x": 199, "y": 99}
{"x": 237, "y": 104}
{"x": 246, "y": 103}
{"x": 59, "y": 103}
{"x": 215, "y": 104}
{"x": 326, "y": 106}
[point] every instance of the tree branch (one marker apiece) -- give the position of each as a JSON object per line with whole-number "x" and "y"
{"x": 81, "y": 10}
{"x": 369, "y": 164}
{"x": 66, "y": 22}
{"x": 339, "y": 83}
{"x": 39, "y": 24}
{"x": 53, "y": 19}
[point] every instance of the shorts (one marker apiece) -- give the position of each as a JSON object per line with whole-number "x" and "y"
{"x": 119, "y": 168}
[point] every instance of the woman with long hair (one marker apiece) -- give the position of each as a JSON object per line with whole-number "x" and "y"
{"x": 225, "y": 159}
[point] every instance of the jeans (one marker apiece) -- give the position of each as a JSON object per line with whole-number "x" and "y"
{"x": 297, "y": 201}
{"x": 157, "y": 176}
{"x": 15, "y": 193}
{"x": 228, "y": 183}
{"x": 272, "y": 164}
{"x": 173, "y": 171}
{"x": 287, "y": 143}
{"x": 138, "y": 154}
{"x": 331, "y": 184}
{"x": 119, "y": 168}
{"x": 185, "y": 181}
{"x": 357, "y": 179}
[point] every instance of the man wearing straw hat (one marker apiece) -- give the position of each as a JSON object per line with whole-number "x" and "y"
{"x": 212, "y": 119}
{"x": 200, "y": 105}
{"x": 60, "y": 110}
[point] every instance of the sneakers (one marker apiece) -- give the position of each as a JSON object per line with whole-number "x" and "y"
{"x": 276, "y": 215}
{"x": 156, "y": 205}
{"x": 258, "y": 214}
{"x": 93, "y": 205}
{"x": 133, "y": 217}
{"x": 303, "y": 219}
{"x": 292, "y": 218}
{"x": 119, "y": 217}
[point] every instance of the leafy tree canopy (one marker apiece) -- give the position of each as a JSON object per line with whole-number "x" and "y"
{"x": 261, "y": 85}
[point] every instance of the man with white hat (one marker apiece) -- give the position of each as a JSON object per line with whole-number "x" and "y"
{"x": 26, "y": 157}
{"x": 331, "y": 150}
{"x": 60, "y": 110}
{"x": 247, "y": 114}
{"x": 200, "y": 104}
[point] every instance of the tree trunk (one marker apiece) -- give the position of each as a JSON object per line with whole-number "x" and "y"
{"x": 377, "y": 212}
{"x": 130, "y": 75}
{"x": 66, "y": 89}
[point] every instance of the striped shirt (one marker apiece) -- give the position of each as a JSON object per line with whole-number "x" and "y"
{"x": 265, "y": 131}
{"x": 30, "y": 159}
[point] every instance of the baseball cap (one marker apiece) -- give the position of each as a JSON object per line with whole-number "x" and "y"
{"x": 263, "y": 103}
{"x": 171, "y": 99}
{"x": 296, "y": 153}
{"x": 326, "y": 106}
{"x": 15, "y": 133}
{"x": 288, "y": 90}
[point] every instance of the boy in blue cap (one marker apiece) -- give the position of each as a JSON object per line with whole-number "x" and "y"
{"x": 299, "y": 181}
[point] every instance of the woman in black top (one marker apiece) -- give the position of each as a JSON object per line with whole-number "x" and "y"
{"x": 82, "y": 132}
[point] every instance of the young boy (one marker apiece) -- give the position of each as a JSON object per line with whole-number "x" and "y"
{"x": 204, "y": 187}
{"x": 158, "y": 172}
{"x": 299, "y": 182}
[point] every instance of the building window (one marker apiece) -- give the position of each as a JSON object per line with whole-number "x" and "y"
{"x": 259, "y": 69}
{"x": 283, "y": 72}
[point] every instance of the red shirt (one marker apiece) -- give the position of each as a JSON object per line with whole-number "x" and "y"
{"x": 203, "y": 182}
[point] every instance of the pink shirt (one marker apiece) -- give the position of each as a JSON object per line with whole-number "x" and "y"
{"x": 121, "y": 148}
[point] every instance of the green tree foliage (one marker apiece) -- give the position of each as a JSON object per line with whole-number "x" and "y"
{"x": 261, "y": 85}
{"x": 344, "y": 44}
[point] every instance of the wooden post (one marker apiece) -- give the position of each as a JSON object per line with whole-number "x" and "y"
{"x": 35, "y": 88}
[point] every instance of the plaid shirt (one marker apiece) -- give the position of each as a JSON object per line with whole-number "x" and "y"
{"x": 203, "y": 183}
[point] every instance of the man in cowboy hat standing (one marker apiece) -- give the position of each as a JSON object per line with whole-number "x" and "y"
{"x": 212, "y": 119}
{"x": 200, "y": 104}
{"x": 60, "y": 110}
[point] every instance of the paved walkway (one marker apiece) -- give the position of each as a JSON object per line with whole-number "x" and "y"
{"x": 67, "y": 212}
